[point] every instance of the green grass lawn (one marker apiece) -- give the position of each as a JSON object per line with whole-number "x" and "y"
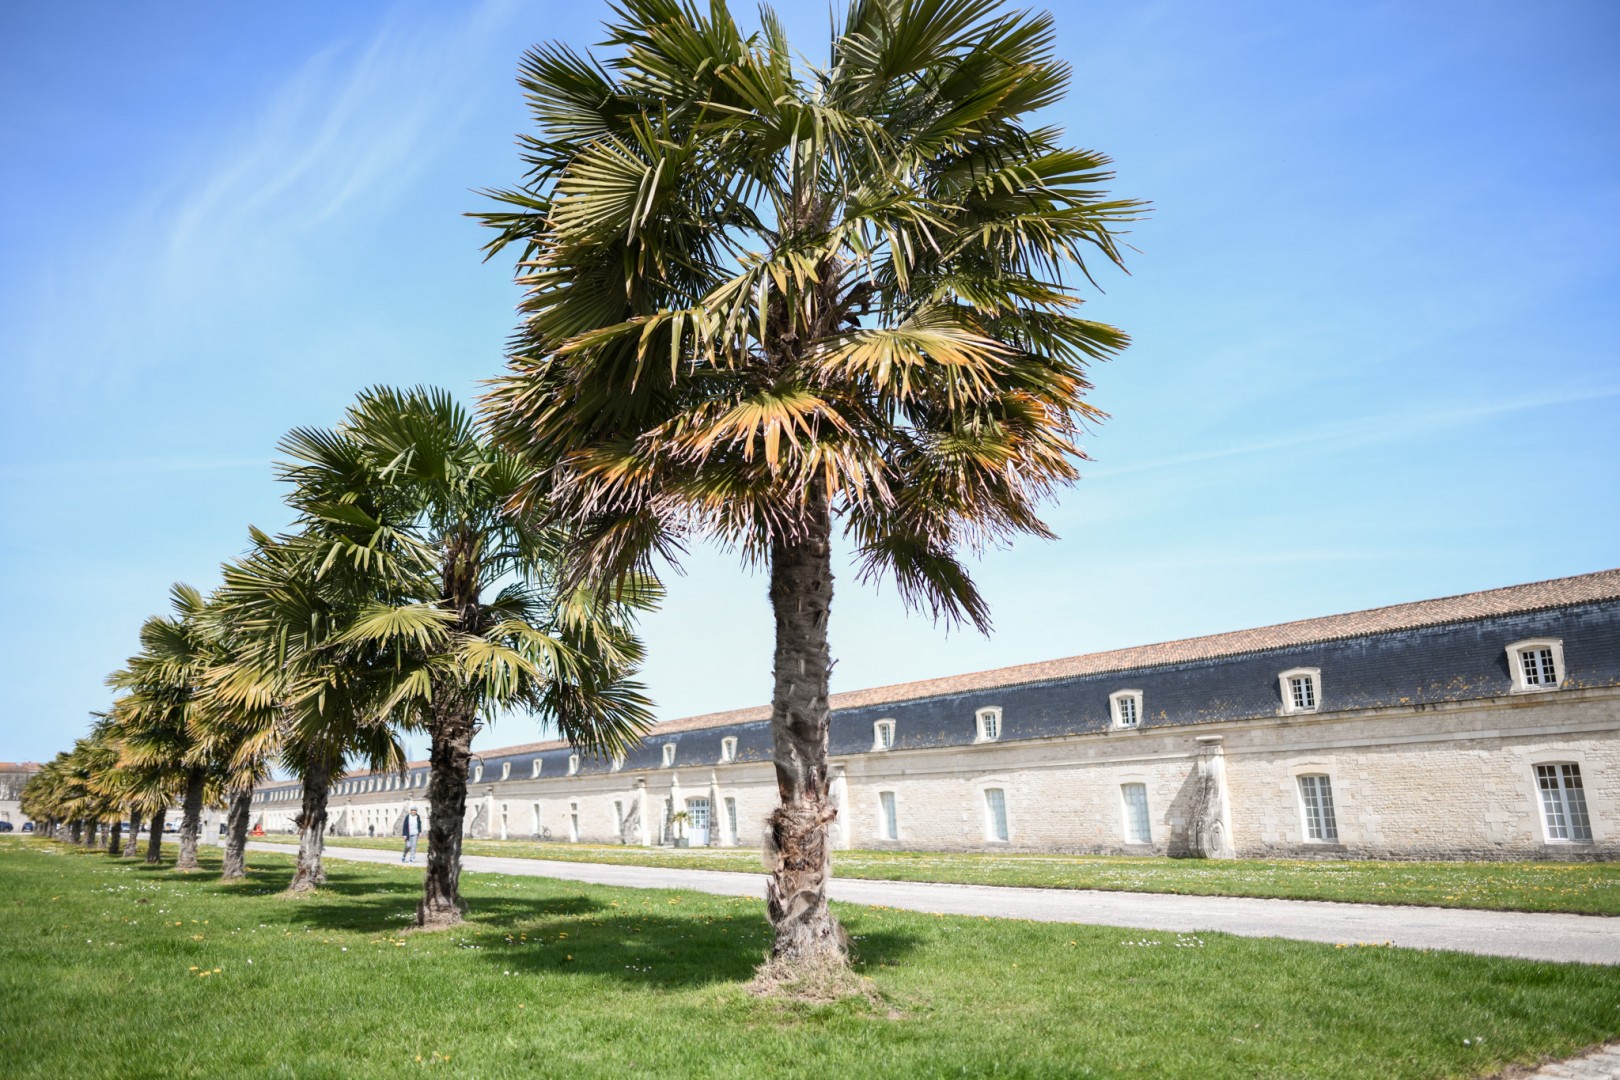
{"x": 1590, "y": 888}
{"x": 114, "y": 969}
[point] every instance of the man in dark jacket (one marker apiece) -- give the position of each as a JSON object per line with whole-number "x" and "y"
{"x": 413, "y": 829}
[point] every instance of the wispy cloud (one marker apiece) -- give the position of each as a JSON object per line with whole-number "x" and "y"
{"x": 344, "y": 134}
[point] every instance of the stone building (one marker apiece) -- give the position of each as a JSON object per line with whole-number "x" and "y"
{"x": 13, "y": 776}
{"x": 1478, "y": 726}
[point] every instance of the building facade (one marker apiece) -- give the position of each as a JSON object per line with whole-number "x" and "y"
{"x": 1480, "y": 726}
{"x": 14, "y": 775}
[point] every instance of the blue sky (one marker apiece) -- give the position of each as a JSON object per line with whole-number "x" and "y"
{"x": 1374, "y": 315}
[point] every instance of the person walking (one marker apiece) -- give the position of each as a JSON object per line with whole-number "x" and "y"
{"x": 413, "y": 829}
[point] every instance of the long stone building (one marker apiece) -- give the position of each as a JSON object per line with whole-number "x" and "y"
{"x": 1481, "y": 726}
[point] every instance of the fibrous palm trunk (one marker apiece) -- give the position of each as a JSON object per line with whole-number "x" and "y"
{"x": 132, "y": 845}
{"x": 115, "y": 840}
{"x": 236, "y": 830}
{"x": 190, "y": 820}
{"x": 311, "y": 872}
{"x": 441, "y": 903}
{"x": 806, "y": 934}
{"x": 154, "y": 846}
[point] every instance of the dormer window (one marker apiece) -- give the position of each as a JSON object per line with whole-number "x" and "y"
{"x": 728, "y": 748}
{"x": 883, "y": 735}
{"x": 989, "y": 723}
{"x": 478, "y": 773}
{"x": 573, "y": 764}
{"x": 1126, "y": 706}
{"x": 618, "y": 762}
{"x": 1536, "y": 665}
{"x": 669, "y": 754}
{"x": 506, "y": 770}
{"x": 1301, "y": 690}
{"x": 534, "y": 770}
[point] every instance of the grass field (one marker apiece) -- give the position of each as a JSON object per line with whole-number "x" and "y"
{"x": 113, "y": 969}
{"x": 1582, "y": 887}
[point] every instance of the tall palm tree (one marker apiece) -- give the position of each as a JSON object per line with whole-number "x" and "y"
{"x": 161, "y": 685}
{"x": 762, "y": 296}
{"x": 294, "y": 688}
{"x": 44, "y": 796}
{"x": 465, "y": 602}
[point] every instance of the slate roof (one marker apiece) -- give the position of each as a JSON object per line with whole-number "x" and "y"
{"x": 1537, "y": 596}
{"x": 1515, "y": 599}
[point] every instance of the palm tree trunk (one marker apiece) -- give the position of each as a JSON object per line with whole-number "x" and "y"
{"x": 190, "y": 820}
{"x": 236, "y": 830}
{"x": 154, "y": 846}
{"x": 806, "y": 934}
{"x": 92, "y": 830}
{"x": 132, "y": 846}
{"x": 311, "y": 873}
{"x": 452, "y": 732}
{"x": 115, "y": 840}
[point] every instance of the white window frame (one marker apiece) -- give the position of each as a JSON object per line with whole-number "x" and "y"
{"x": 573, "y": 764}
{"x": 534, "y": 770}
{"x": 883, "y": 817}
{"x": 729, "y": 805}
{"x": 987, "y": 722}
{"x": 1576, "y": 813}
{"x": 880, "y": 728}
{"x": 1116, "y": 709}
{"x": 669, "y": 755}
{"x": 506, "y": 770}
{"x": 1127, "y": 821}
{"x": 617, "y": 763}
{"x": 1521, "y": 679}
{"x": 1328, "y": 810}
{"x": 728, "y": 749}
{"x": 1285, "y": 687}
{"x": 990, "y": 818}
{"x": 573, "y": 822}
{"x": 478, "y": 773}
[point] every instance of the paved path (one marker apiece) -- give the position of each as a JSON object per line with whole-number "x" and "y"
{"x": 1591, "y": 939}
{"x": 1602, "y": 1064}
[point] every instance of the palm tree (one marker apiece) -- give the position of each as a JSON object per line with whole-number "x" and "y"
{"x": 294, "y": 688}
{"x": 161, "y": 685}
{"x": 44, "y": 796}
{"x": 761, "y": 296}
{"x": 466, "y": 604}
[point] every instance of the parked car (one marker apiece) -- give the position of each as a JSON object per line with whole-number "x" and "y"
{"x": 5, "y": 826}
{"x": 28, "y": 826}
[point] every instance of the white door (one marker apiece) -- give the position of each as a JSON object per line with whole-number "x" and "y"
{"x": 697, "y": 827}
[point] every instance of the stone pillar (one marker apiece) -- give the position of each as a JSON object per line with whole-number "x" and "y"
{"x": 1211, "y": 825}
{"x": 643, "y": 820}
{"x": 675, "y": 806}
{"x": 838, "y": 791}
{"x": 717, "y": 826}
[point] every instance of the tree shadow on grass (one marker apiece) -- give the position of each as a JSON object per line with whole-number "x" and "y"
{"x": 656, "y": 950}
{"x": 650, "y": 942}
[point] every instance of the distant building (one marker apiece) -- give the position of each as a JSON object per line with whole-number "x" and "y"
{"x": 1478, "y": 726}
{"x": 13, "y": 775}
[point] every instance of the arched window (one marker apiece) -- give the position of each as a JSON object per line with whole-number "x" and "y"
{"x": 989, "y": 724}
{"x": 1301, "y": 690}
{"x": 1126, "y": 707}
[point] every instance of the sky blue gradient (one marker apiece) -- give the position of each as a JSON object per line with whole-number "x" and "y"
{"x": 1374, "y": 313}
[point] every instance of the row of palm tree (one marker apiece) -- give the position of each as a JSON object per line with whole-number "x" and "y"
{"x": 410, "y": 595}
{"x": 761, "y": 298}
